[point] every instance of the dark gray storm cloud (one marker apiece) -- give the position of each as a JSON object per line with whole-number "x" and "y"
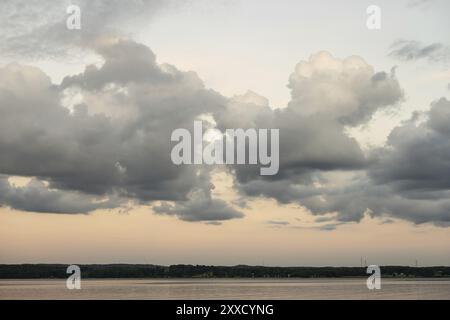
{"x": 407, "y": 179}
{"x": 416, "y": 158}
{"x": 407, "y": 50}
{"x": 95, "y": 152}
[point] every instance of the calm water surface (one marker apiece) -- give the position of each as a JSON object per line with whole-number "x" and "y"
{"x": 226, "y": 289}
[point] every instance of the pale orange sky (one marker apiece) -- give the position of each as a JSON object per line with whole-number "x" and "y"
{"x": 139, "y": 236}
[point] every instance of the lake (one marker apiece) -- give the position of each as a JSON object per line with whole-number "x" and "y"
{"x": 226, "y": 289}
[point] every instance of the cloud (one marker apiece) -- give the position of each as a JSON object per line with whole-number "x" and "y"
{"x": 113, "y": 145}
{"x": 350, "y": 203}
{"x": 415, "y": 166}
{"x": 408, "y": 50}
{"x": 329, "y": 226}
{"x": 199, "y": 208}
{"x": 406, "y": 179}
{"x": 427, "y": 144}
{"x": 325, "y": 227}
{"x": 347, "y": 91}
{"x": 119, "y": 70}
{"x": 35, "y": 196}
{"x": 213, "y": 223}
{"x": 420, "y": 3}
{"x": 278, "y": 222}
{"x": 328, "y": 95}
{"x": 324, "y": 219}
{"x": 37, "y": 28}
{"x": 116, "y": 141}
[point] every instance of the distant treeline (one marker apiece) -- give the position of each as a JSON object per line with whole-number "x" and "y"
{"x": 34, "y": 271}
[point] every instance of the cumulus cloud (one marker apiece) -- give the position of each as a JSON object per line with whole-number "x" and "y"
{"x": 408, "y": 50}
{"x": 328, "y": 95}
{"x": 90, "y": 150}
{"x": 347, "y": 91}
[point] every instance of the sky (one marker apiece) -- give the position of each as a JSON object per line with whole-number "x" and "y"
{"x": 86, "y": 118}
